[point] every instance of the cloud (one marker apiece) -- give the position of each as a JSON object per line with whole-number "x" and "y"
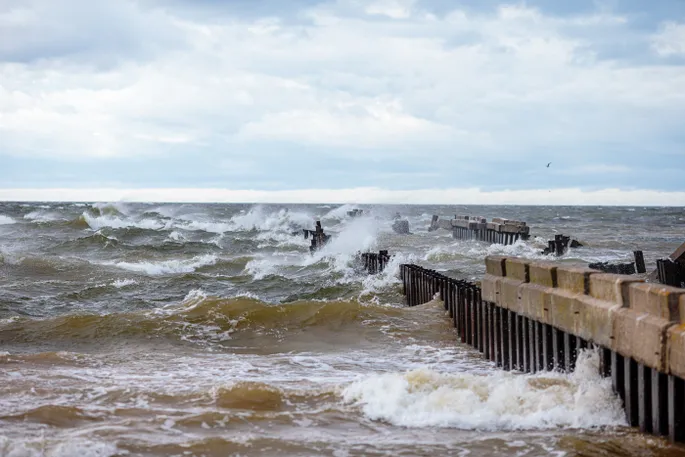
{"x": 396, "y": 80}
{"x": 670, "y": 40}
{"x": 361, "y": 195}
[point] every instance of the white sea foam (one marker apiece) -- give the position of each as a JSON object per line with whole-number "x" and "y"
{"x": 499, "y": 401}
{"x": 41, "y": 216}
{"x": 167, "y": 266}
{"x": 281, "y": 240}
{"x": 6, "y": 220}
{"x": 176, "y": 236}
{"x": 99, "y": 222}
{"x": 52, "y": 448}
{"x": 262, "y": 267}
{"x": 207, "y": 226}
{"x": 282, "y": 220}
{"x": 119, "y": 283}
{"x": 389, "y": 276}
{"x": 339, "y": 213}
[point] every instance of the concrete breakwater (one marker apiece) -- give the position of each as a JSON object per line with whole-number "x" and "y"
{"x": 535, "y": 316}
{"x": 498, "y": 230}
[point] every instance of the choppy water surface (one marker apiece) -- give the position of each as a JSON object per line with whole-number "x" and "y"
{"x": 160, "y": 329}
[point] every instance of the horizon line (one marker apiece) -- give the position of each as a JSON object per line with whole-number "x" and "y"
{"x": 355, "y": 195}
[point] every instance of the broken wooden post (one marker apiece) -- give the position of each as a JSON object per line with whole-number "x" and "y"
{"x": 640, "y": 262}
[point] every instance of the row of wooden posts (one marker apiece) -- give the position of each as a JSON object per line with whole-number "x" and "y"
{"x": 487, "y": 235}
{"x": 653, "y": 401}
{"x": 374, "y": 263}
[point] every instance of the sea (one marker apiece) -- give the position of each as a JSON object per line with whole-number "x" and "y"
{"x": 133, "y": 329}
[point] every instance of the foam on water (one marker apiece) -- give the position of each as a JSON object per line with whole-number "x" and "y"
{"x": 99, "y": 222}
{"x": 52, "y": 448}
{"x": 497, "y": 401}
{"x": 338, "y": 213}
{"x": 388, "y": 277}
{"x": 119, "y": 283}
{"x": 176, "y": 236}
{"x": 282, "y": 220}
{"x": 167, "y": 266}
{"x": 42, "y": 216}
{"x": 359, "y": 235}
{"x": 6, "y": 220}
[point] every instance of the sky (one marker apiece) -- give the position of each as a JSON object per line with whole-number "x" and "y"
{"x": 403, "y": 101}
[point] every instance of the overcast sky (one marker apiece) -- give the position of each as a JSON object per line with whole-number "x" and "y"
{"x": 394, "y": 95}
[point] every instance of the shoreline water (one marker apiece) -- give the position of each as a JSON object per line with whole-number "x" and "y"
{"x": 209, "y": 329}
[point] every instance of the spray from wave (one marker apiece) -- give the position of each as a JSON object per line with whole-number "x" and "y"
{"x": 498, "y": 401}
{"x": 164, "y": 267}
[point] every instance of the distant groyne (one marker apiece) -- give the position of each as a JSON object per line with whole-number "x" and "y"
{"x": 498, "y": 230}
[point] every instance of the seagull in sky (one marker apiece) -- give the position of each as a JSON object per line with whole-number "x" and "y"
{"x": 549, "y": 164}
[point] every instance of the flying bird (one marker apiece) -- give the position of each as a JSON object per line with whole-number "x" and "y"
{"x": 549, "y": 164}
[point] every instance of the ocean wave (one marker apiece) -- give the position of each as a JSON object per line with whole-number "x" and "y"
{"x": 41, "y": 447}
{"x": 499, "y": 401}
{"x": 42, "y": 216}
{"x": 165, "y": 267}
{"x": 339, "y": 213}
{"x": 201, "y": 319}
{"x": 116, "y": 222}
{"x": 282, "y": 220}
{"x": 6, "y": 220}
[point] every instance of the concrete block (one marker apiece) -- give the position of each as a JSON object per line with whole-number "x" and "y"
{"x": 642, "y": 337}
{"x": 499, "y": 220}
{"x": 679, "y": 254}
{"x": 510, "y": 295}
{"x": 536, "y": 302}
{"x": 675, "y": 343}
{"x": 594, "y": 321}
{"x": 490, "y": 287}
{"x": 574, "y": 279}
{"x": 543, "y": 273}
{"x": 508, "y": 228}
{"x": 445, "y": 224}
{"x": 473, "y": 225}
{"x": 517, "y": 268}
{"x": 495, "y": 265}
{"x": 656, "y": 299}
{"x": 565, "y": 310}
{"x": 612, "y": 288}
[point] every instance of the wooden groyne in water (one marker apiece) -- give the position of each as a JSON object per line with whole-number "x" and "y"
{"x": 534, "y": 316}
{"x": 497, "y": 231}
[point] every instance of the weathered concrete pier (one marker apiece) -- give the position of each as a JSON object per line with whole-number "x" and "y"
{"x": 497, "y": 231}
{"x": 535, "y": 316}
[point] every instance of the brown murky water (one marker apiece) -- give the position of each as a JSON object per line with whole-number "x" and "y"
{"x": 203, "y": 331}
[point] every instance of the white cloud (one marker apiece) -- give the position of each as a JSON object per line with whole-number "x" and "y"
{"x": 396, "y": 9}
{"x": 384, "y": 75}
{"x": 361, "y": 195}
{"x": 370, "y": 125}
{"x": 670, "y": 40}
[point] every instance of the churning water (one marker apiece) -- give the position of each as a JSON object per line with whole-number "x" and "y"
{"x": 209, "y": 330}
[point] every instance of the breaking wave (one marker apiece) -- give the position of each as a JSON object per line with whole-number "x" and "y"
{"x": 498, "y": 401}
{"x": 164, "y": 267}
{"x": 200, "y": 318}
